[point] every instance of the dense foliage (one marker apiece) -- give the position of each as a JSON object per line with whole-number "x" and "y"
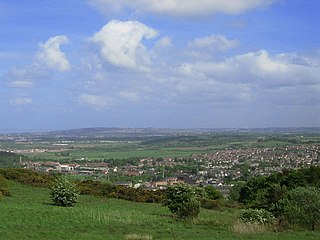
{"x": 121, "y": 192}
{"x": 27, "y": 177}
{"x": 301, "y": 206}
{"x": 8, "y": 159}
{"x": 213, "y": 193}
{"x": 182, "y": 200}
{"x": 264, "y": 192}
{"x": 4, "y": 191}
{"x": 64, "y": 193}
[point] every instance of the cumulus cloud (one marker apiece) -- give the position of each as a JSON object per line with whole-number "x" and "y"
{"x": 21, "y": 101}
{"x": 182, "y": 8}
{"x": 51, "y": 55}
{"x": 121, "y": 44}
{"x": 96, "y": 101}
{"x": 214, "y": 42}
{"x": 258, "y": 68}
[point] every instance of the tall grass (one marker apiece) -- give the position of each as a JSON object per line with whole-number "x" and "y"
{"x": 240, "y": 227}
{"x": 138, "y": 237}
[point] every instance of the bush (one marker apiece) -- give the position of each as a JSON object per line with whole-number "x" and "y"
{"x": 113, "y": 191}
{"x": 4, "y": 191}
{"x": 213, "y": 193}
{"x": 256, "y": 216}
{"x": 301, "y": 206}
{"x": 211, "y": 204}
{"x": 264, "y": 192}
{"x": 28, "y": 177}
{"x": 64, "y": 193}
{"x": 182, "y": 201}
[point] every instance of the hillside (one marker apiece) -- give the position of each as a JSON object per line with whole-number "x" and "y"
{"x": 29, "y": 214}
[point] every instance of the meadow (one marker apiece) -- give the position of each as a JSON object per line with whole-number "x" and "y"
{"x": 29, "y": 214}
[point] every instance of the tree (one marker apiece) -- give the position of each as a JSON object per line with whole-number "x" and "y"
{"x": 213, "y": 193}
{"x": 301, "y": 206}
{"x": 64, "y": 193}
{"x": 235, "y": 191}
{"x": 182, "y": 200}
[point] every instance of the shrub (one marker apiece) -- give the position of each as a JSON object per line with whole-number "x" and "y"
{"x": 211, "y": 204}
{"x": 4, "y": 191}
{"x": 213, "y": 193}
{"x": 182, "y": 201}
{"x": 256, "y": 216}
{"x": 113, "y": 191}
{"x": 263, "y": 192}
{"x": 64, "y": 193}
{"x": 301, "y": 206}
{"x": 28, "y": 177}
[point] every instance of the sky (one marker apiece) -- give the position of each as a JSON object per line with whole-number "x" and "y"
{"x": 159, "y": 63}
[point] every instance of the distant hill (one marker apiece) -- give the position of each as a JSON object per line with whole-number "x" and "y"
{"x": 129, "y": 134}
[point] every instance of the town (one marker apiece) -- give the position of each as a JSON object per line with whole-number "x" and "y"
{"x": 219, "y": 169}
{"x": 157, "y": 158}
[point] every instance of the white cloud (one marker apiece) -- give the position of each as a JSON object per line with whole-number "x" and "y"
{"x": 182, "y": 8}
{"x": 256, "y": 68}
{"x": 121, "y": 44}
{"x": 21, "y": 101}
{"x": 96, "y": 101}
{"x": 24, "y": 77}
{"x": 51, "y": 55}
{"x": 129, "y": 96}
{"x": 20, "y": 84}
{"x": 164, "y": 42}
{"x": 214, "y": 42}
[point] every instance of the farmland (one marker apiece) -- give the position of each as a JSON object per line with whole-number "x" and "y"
{"x": 100, "y": 144}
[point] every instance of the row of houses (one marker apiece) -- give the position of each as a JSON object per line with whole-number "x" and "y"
{"x": 71, "y": 168}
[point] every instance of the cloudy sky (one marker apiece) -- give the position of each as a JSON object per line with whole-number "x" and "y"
{"x": 159, "y": 63}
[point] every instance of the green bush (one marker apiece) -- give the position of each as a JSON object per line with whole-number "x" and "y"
{"x": 301, "y": 206}
{"x": 256, "y": 216}
{"x": 28, "y": 177}
{"x": 264, "y": 192}
{"x": 113, "y": 191}
{"x": 213, "y": 193}
{"x": 64, "y": 193}
{"x": 211, "y": 204}
{"x": 182, "y": 201}
{"x": 4, "y": 191}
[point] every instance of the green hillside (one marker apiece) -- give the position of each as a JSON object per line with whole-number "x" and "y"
{"x": 29, "y": 214}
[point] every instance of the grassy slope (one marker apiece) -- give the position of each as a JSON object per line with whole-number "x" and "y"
{"x": 29, "y": 215}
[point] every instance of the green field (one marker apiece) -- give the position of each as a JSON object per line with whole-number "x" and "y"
{"x": 29, "y": 214}
{"x": 55, "y": 148}
{"x": 121, "y": 154}
{"x": 155, "y": 147}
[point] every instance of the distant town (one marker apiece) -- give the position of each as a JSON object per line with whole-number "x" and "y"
{"x": 220, "y": 168}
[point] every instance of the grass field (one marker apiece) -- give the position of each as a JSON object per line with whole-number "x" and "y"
{"x": 29, "y": 214}
{"x": 124, "y": 154}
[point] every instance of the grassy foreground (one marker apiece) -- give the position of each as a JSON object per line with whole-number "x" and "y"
{"x": 29, "y": 214}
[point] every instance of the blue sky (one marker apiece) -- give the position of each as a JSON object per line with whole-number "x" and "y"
{"x": 159, "y": 63}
